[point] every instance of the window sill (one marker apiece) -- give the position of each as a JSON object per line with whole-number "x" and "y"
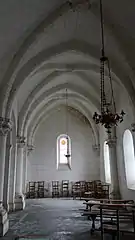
{"x": 64, "y": 167}
{"x": 131, "y": 187}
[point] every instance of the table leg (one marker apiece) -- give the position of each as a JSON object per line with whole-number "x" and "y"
{"x": 101, "y": 222}
{"x": 118, "y": 227}
{"x": 93, "y": 218}
{"x": 133, "y": 219}
{"x": 86, "y": 205}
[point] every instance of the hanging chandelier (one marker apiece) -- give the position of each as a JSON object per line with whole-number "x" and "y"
{"x": 108, "y": 117}
{"x": 67, "y": 155}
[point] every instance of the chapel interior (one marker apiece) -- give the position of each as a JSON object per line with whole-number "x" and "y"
{"x": 67, "y": 119}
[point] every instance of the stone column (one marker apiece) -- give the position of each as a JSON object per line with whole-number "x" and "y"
{"x": 24, "y": 170}
{"x": 27, "y": 151}
{"x": 19, "y": 197}
{"x": 7, "y": 176}
{"x": 115, "y": 191}
{"x": 5, "y": 127}
{"x": 12, "y": 181}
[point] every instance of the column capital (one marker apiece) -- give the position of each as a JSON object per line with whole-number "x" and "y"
{"x": 30, "y": 148}
{"x": 5, "y": 126}
{"x": 21, "y": 141}
{"x": 111, "y": 142}
{"x": 133, "y": 127}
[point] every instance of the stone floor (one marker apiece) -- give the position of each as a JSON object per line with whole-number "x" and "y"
{"x": 55, "y": 219}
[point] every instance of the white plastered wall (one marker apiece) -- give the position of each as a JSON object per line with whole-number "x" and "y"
{"x": 42, "y": 161}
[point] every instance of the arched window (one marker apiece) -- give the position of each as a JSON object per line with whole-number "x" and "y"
{"x": 107, "y": 163}
{"x": 129, "y": 159}
{"x": 63, "y": 147}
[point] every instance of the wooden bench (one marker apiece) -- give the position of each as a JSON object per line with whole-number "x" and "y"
{"x": 93, "y": 201}
{"x": 116, "y": 212}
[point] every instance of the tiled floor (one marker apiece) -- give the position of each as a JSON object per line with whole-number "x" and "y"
{"x": 55, "y": 219}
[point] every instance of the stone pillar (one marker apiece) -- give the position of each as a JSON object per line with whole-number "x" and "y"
{"x": 7, "y": 176}
{"x": 24, "y": 170}
{"x": 5, "y": 127}
{"x": 115, "y": 191}
{"x": 27, "y": 151}
{"x": 12, "y": 181}
{"x": 19, "y": 197}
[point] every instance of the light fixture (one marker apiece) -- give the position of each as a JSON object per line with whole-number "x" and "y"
{"x": 108, "y": 117}
{"x": 67, "y": 155}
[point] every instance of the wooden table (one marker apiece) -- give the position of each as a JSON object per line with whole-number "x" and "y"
{"x": 114, "y": 207}
{"x": 120, "y": 201}
{"x": 102, "y": 200}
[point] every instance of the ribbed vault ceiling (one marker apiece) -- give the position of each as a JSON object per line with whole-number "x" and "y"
{"x": 46, "y": 47}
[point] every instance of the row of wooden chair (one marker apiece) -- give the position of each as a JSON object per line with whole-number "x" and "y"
{"x": 41, "y": 189}
{"x": 36, "y": 190}
{"x": 64, "y": 188}
{"x": 95, "y": 189}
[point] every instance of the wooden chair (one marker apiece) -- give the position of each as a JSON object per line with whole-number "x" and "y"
{"x": 105, "y": 190}
{"x": 76, "y": 190}
{"x": 90, "y": 186}
{"x": 65, "y": 188}
{"x": 55, "y": 189}
{"x": 32, "y": 190}
{"x": 119, "y": 228}
{"x": 40, "y": 189}
{"x": 83, "y": 188}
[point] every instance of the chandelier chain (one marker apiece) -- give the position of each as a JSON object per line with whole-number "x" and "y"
{"x": 108, "y": 117}
{"x": 112, "y": 92}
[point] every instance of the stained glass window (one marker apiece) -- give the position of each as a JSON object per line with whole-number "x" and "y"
{"x": 63, "y": 147}
{"x": 63, "y": 150}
